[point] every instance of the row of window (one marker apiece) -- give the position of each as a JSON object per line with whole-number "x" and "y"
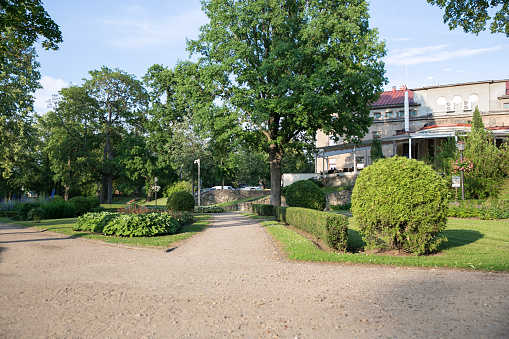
{"x": 390, "y": 114}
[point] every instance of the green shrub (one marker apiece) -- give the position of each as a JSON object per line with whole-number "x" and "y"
{"x": 184, "y": 218}
{"x": 208, "y": 209}
{"x": 128, "y": 225}
{"x": 330, "y": 228}
{"x": 263, "y": 209}
{"x": 485, "y": 210}
{"x": 180, "y": 201}
{"x": 176, "y": 187}
{"x": 58, "y": 210}
{"x": 35, "y": 214}
{"x": 94, "y": 202}
{"x": 82, "y": 205}
{"x": 280, "y": 213}
{"x": 23, "y": 208}
{"x": 401, "y": 204}
{"x": 98, "y": 209}
{"x": 57, "y": 198}
{"x": 305, "y": 194}
{"x": 316, "y": 182}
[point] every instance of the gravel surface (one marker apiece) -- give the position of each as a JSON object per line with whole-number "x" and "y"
{"x": 231, "y": 281}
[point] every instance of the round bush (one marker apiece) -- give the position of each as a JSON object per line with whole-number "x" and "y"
{"x": 57, "y": 198}
{"x": 306, "y": 194}
{"x": 94, "y": 202}
{"x": 82, "y": 205}
{"x": 180, "y": 201}
{"x": 399, "y": 203}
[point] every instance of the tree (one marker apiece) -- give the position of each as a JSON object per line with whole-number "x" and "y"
{"x": 288, "y": 68}
{"x": 473, "y": 15}
{"x": 376, "y": 150}
{"x": 121, "y": 102}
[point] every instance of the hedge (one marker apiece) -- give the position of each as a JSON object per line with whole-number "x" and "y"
{"x": 329, "y": 227}
{"x": 263, "y": 209}
{"x": 280, "y": 213}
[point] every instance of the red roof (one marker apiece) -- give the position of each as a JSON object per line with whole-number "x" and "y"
{"x": 394, "y": 98}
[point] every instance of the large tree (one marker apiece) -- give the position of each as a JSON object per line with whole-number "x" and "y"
{"x": 473, "y": 15}
{"x": 289, "y": 68}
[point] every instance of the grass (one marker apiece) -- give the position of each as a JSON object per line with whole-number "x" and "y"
{"x": 472, "y": 244}
{"x": 64, "y": 226}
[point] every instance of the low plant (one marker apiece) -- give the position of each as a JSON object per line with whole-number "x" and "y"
{"x": 208, "y": 209}
{"x": 330, "y": 228}
{"x": 180, "y": 201}
{"x": 305, "y": 194}
{"x": 23, "y": 208}
{"x": 263, "y": 209}
{"x": 35, "y": 214}
{"x": 485, "y": 210}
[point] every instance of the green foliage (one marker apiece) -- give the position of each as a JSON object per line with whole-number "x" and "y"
{"x": 280, "y": 213}
{"x": 180, "y": 201}
{"x": 176, "y": 187}
{"x": 331, "y": 228}
{"x": 184, "y": 218}
{"x": 485, "y": 210}
{"x": 82, "y": 205}
{"x": 57, "y": 198}
{"x": 376, "y": 150}
{"x": 208, "y": 209}
{"x": 23, "y": 208}
{"x": 128, "y": 225}
{"x": 318, "y": 68}
{"x": 473, "y": 16}
{"x": 94, "y": 202}
{"x": 401, "y": 204}
{"x": 58, "y": 209}
{"x": 35, "y": 214}
{"x": 317, "y": 182}
{"x": 263, "y": 209}
{"x": 305, "y": 194}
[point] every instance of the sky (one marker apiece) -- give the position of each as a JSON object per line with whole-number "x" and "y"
{"x": 134, "y": 35}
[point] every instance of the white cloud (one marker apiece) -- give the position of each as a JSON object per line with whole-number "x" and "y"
{"x": 446, "y": 69}
{"x": 438, "y": 53}
{"x": 138, "y": 29}
{"x": 50, "y": 86}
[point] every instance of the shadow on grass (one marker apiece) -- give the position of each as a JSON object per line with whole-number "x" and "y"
{"x": 458, "y": 238}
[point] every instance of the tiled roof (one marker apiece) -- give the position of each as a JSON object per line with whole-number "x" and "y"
{"x": 394, "y": 98}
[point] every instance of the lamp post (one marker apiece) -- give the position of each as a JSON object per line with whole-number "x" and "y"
{"x": 155, "y": 179}
{"x": 461, "y": 148}
{"x": 197, "y": 161}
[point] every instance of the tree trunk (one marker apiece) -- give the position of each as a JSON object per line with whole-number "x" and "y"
{"x": 103, "y": 192}
{"x": 276, "y": 157}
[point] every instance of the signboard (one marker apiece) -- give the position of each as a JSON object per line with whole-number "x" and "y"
{"x": 456, "y": 181}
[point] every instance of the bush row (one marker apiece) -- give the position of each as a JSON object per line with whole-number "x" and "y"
{"x": 208, "y": 209}
{"x": 128, "y": 225}
{"x": 485, "y": 210}
{"x": 329, "y": 227}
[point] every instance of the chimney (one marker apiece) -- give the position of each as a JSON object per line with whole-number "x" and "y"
{"x": 507, "y": 87}
{"x": 402, "y": 88}
{"x": 394, "y": 88}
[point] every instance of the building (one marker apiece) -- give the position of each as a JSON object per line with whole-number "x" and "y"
{"x": 416, "y": 126}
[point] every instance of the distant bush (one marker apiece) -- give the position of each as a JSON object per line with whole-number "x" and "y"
{"x": 35, "y": 214}
{"x": 330, "y": 228}
{"x": 305, "y": 194}
{"x": 23, "y": 208}
{"x": 400, "y": 203}
{"x": 485, "y": 210}
{"x": 57, "y": 198}
{"x": 176, "y": 187}
{"x": 208, "y": 209}
{"x": 263, "y": 209}
{"x": 180, "y": 201}
{"x": 94, "y": 202}
{"x": 58, "y": 210}
{"x": 316, "y": 182}
{"x": 82, "y": 205}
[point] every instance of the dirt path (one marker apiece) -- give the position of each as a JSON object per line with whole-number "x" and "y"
{"x": 229, "y": 281}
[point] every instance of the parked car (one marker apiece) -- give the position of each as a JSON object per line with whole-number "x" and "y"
{"x": 221, "y": 188}
{"x": 250, "y": 188}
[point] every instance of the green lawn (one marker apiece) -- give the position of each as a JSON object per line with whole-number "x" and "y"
{"x": 472, "y": 244}
{"x": 64, "y": 226}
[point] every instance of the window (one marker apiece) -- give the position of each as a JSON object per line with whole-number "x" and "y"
{"x": 360, "y": 162}
{"x": 506, "y": 105}
{"x": 377, "y": 134}
{"x": 377, "y": 115}
{"x": 389, "y": 114}
{"x": 413, "y": 112}
{"x": 401, "y": 114}
{"x": 332, "y": 164}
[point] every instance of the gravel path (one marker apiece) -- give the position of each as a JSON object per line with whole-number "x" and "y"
{"x": 230, "y": 281}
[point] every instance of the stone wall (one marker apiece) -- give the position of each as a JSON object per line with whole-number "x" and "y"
{"x": 221, "y": 196}
{"x": 339, "y": 198}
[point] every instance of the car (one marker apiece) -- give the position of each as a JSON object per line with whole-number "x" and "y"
{"x": 250, "y": 188}
{"x": 221, "y": 188}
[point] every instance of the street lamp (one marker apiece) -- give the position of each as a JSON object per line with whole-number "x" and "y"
{"x": 197, "y": 161}
{"x": 461, "y": 147}
{"x": 156, "y": 188}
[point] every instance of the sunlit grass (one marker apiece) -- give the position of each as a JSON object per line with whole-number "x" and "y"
{"x": 472, "y": 244}
{"x": 64, "y": 226}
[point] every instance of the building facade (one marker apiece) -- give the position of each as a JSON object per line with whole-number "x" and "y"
{"x": 416, "y": 126}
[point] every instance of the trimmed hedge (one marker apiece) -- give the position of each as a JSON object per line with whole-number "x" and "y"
{"x": 280, "y": 213}
{"x": 484, "y": 210}
{"x": 82, "y": 205}
{"x": 180, "y": 201}
{"x": 58, "y": 210}
{"x": 208, "y": 209}
{"x": 263, "y": 209}
{"x": 329, "y": 227}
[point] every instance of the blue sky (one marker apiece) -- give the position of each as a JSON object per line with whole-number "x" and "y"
{"x": 134, "y": 35}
